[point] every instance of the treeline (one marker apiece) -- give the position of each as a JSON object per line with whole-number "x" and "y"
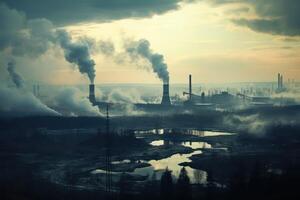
{"x": 259, "y": 183}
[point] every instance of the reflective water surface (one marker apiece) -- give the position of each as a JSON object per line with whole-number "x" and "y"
{"x": 173, "y": 162}
{"x": 194, "y": 132}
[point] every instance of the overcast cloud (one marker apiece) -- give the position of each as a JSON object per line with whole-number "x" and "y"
{"x": 76, "y": 11}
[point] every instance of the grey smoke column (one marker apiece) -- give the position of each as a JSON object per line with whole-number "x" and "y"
{"x": 142, "y": 49}
{"x": 77, "y": 53}
{"x": 15, "y": 77}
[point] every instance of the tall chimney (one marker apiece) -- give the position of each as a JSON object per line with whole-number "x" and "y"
{"x": 190, "y": 87}
{"x": 92, "y": 94}
{"x": 278, "y": 81}
{"x": 166, "y": 97}
{"x": 281, "y": 82}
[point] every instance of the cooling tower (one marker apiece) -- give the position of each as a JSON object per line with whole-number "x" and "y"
{"x": 166, "y": 98}
{"x": 92, "y": 94}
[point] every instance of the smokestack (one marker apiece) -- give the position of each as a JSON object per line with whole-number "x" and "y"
{"x": 38, "y": 90}
{"x": 281, "y": 82}
{"x": 92, "y": 94}
{"x": 166, "y": 97}
{"x": 190, "y": 86}
{"x": 278, "y": 81}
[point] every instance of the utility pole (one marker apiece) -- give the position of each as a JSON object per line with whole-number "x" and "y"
{"x": 108, "y": 174}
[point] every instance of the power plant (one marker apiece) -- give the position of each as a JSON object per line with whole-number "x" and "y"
{"x": 148, "y": 107}
{"x": 194, "y": 101}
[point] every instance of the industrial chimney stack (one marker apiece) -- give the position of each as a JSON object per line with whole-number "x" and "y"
{"x": 166, "y": 97}
{"x": 280, "y": 82}
{"x": 190, "y": 87}
{"x": 92, "y": 97}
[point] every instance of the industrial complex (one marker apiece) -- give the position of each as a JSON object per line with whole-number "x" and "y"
{"x": 224, "y": 99}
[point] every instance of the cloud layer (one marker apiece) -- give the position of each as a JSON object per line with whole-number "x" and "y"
{"x": 277, "y": 17}
{"x": 75, "y": 11}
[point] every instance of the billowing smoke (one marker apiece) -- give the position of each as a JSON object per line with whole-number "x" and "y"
{"x": 252, "y": 124}
{"x": 72, "y": 102}
{"x": 17, "y": 101}
{"x": 105, "y": 47}
{"x": 141, "y": 49}
{"x": 15, "y": 77}
{"x": 120, "y": 96}
{"x": 77, "y": 53}
{"x": 257, "y": 124}
{"x": 20, "y": 36}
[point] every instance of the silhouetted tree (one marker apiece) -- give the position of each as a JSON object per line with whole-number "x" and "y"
{"x": 151, "y": 189}
{"x": 166, "y": 185}
{"x": 183, "y": 189}
{"x": 122, "y": 186}
{"x": 238, "y": 182}
{"x": 256, "y": 181}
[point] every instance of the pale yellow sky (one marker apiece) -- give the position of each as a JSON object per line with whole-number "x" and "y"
{"x": 197, "y": 39}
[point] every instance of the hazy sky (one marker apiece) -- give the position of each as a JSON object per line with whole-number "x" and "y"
{"x": 215, "y": 40}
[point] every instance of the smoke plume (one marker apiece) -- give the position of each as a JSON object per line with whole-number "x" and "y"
{"x": 106, "y": 47}
{"x": 72, "y": 102}
{"x": 17, "y": 101}
{"x": 128, "y": 96}
{"x": 15, "y": 77}
{"x": 141, "y": 49}
{"x": 20, "y": 36}
{"x": 252, "y": 124}
{"x": 77, "y": 53}
{"x": 258, "y": 124}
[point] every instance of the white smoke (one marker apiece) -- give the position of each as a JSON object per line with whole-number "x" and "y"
{"x": 291, "y": 94}
{"x": 129, "y": 96}
{"x": 256, "y": 124}
{"x": 72, "y": 102}
{"x": 17, "y": 101}
{"x": 20, "y": 102}
{"x": 251, "y": 124}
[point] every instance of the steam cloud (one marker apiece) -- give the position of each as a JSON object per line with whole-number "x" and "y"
{"x": 77, "y": 53}
{"x": 141, "y": 49}
{"x": 106, "y": 47}
{"x": 17, "y": 101}
{"x": 15, "y": 77}
{"x": 72, "y": 102}
{"x": 257, "y": 124}
{"x": 119, "y": 96}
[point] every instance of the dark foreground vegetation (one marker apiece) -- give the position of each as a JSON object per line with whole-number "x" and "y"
{"x": 264, "y": 166}
{"x": 257, "y": 183}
